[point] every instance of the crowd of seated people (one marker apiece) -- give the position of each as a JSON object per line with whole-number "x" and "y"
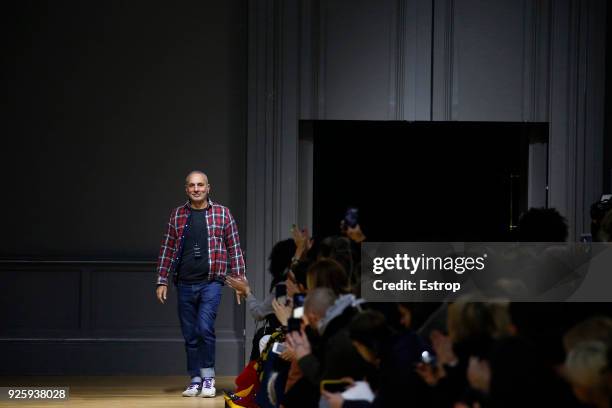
{"x": 335, "y": 350}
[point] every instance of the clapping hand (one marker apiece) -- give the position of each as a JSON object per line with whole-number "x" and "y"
{"x": 240, "y": 284}
{"x": 302, "y": 240}
{"x": 298, "y": 343}
{"x": 282, "y": 312}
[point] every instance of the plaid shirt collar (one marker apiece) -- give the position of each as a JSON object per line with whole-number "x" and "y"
{"x": 187, "y": 205}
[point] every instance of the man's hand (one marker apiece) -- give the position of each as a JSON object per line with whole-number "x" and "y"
{"x": 240, "y": 284}
{"x": 334, "y": 400}
{"x": 161, "y": 293}
{"x": 287, "y": 355}
{"x": 430, "y": 374}
{"x": 479, "y": 374}
{"x": 292, "y": 288}
{"x": 302, "y": 240}
{"x": 443, "y": 347}
{"x": 282, "y": 312}
{"x": 298, "y": 343}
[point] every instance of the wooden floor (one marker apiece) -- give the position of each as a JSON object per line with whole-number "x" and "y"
{"x": 118, "y": 391}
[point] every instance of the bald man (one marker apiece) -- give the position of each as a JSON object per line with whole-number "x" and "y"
{"x": 201, "y": 237}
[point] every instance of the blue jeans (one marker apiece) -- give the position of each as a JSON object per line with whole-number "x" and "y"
{"x": 197, "y": 308}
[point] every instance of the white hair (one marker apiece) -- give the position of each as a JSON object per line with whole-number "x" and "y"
{"x": 319, "y": 300}
{"x": 585, "y": 362}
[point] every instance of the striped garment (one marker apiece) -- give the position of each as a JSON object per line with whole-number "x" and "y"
{"x": 223, "y": 243}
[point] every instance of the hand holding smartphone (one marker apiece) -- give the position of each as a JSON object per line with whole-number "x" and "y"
{"x": 278, "y": 348}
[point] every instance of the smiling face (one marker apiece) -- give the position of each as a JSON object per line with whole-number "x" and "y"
{"x": 197, "y": 188}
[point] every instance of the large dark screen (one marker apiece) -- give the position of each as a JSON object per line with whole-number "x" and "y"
{"x": 452, "y": 181}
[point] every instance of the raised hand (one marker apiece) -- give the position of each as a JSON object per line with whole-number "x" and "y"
{"x": 302, "y": 240}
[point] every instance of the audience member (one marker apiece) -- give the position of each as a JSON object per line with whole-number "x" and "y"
{"x": 327, "y": 353}
{"x": 390, "y": 354}
{"x": 584, "y": 368}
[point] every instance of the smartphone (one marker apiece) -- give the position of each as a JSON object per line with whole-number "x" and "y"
{"x": 280, "y": 293}
{"x": 278, "y": 347}
{"x": 294, "y": 324}
{"x": 335, "y": 385}
{"x": 298, "y": 305}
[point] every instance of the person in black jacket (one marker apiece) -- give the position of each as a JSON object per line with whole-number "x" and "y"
{"x": 329, "y": 353}
{"x": 394, "y": 356}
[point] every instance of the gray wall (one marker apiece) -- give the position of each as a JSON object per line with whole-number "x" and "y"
{"x": 109, "y": 105}
{"x": 464, "y": 60}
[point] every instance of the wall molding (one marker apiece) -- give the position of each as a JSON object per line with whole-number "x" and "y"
{"x": 98, "y": 317}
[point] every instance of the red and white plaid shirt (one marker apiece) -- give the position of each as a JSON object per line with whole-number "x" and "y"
{"x": 223, "y": 243}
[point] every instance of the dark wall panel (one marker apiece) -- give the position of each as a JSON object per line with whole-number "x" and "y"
{"x": 99, "y": 318}
{"x": 109, "y": 105}
{"x": 40, "y": 299}
{"x": 122, "y": 300}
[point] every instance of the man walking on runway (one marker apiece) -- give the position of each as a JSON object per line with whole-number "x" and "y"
{"x": 201, "y": 237}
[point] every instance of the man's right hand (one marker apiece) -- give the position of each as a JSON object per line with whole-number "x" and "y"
{"x": 161, "y": 292}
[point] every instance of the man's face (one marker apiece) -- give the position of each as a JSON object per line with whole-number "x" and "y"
{"x": 312, "y": 320}
{"x": 197, "y": 187}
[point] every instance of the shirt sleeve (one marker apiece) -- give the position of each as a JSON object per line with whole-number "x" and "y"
{"x": 166, "y": 252}
{"x": 259, "y": 309}
{"x": 232, "y": 243}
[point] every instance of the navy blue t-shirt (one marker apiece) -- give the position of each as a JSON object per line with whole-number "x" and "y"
{"x": 194, "y": 268}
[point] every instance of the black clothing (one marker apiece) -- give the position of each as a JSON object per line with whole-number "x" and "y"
{"x": 333, "y": 357}
{"x": 396, "y": 383}
{"x": 194, "y": 259}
